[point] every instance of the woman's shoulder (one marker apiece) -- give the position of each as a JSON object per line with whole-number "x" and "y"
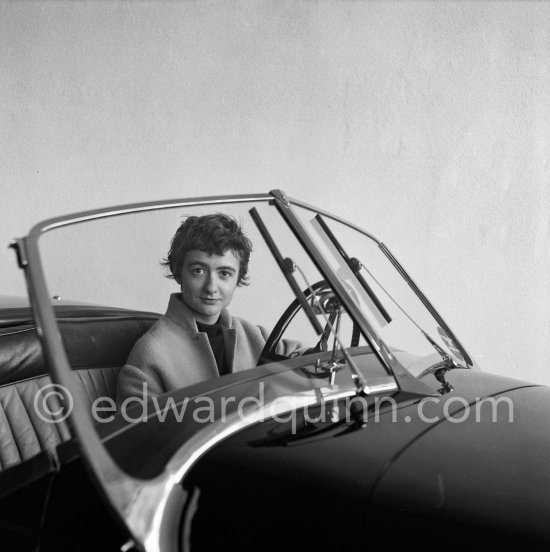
{"x": 158, "y": 334}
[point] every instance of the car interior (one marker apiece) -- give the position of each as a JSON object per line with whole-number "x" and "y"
{"x": 97, "y": 342}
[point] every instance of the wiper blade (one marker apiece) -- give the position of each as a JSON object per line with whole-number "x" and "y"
{"x": 405, "y": 381}
{"x": 287, "y": 267}
{"x": 448, "y": 363}
{"x": 355, "y": 266}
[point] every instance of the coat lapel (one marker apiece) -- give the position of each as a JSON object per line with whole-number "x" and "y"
{"x": 179, "y": 313}
{"x": 230, "y": 343}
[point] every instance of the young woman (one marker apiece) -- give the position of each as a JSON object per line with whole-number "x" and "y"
{"x": 197, "y": 338}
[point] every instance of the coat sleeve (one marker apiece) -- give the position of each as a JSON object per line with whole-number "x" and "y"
{"x": 286, "y": 347}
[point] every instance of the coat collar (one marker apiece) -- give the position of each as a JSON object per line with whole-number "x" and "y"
{"x": 182, "y": 315}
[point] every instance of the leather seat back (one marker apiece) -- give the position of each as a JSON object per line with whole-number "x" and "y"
{"x": 97, "y": 347}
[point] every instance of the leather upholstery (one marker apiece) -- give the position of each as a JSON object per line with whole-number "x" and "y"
{"x": 23, "y": 433}
{"x": 97, "y": 347}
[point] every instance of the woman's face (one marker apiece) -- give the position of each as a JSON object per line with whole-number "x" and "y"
{"x": 208, "y": 283}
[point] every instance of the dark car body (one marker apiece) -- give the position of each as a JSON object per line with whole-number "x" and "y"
{"x": 382, "y": 450}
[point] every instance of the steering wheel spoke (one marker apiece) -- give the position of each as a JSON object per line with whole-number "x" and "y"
{"x": 326, "y": 302}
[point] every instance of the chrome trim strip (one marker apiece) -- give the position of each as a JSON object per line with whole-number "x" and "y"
{"x": 154, "y": 503}
{"x": 100, "y": 464}
{"x": 56, "y": 222}
{"x": 333, "y": 217}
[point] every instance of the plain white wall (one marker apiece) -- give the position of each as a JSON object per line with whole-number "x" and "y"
{"x": 428, "y": 123}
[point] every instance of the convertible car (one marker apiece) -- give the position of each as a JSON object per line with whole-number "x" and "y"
{"x": 384, "y": 432}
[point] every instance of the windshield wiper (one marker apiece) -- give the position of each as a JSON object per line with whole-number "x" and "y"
{"x": 355, "y": 266}
{"x": 328, "y": 303}
{"x": 438, "y": 369}
{"x": 287, "y": 267}
{"x": 406, "y": 382}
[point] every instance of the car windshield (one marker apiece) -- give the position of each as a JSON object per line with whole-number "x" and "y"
{"x": 116, "y": 262}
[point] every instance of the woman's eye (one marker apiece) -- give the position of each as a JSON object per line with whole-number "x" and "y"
{"x": 225, "y": 274}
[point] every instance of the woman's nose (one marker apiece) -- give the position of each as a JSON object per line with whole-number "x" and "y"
{"x": 210, "y": 285}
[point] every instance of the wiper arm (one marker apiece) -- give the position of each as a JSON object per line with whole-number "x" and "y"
{"x": 355, "y": 266}
{"x": 332, "y": 304}
{"x": 287, "y": 267}
{"x": 405, "y": 381}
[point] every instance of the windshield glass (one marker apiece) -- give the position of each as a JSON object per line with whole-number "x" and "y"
{"x": 391, "y": 307}
{"x": 118, "y": 262}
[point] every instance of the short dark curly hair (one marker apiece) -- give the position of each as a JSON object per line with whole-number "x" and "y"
{"x": 213, "y": 234}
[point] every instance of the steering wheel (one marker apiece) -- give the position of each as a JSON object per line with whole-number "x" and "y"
{"x": 268, "y": 353}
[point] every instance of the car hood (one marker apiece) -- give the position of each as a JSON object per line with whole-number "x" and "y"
{"x": 434, "y": 461}
{"x": 490, "y": 463}
{"x": 395, "y": 427}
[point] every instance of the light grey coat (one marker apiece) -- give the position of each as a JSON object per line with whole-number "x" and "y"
{"x": 174, "y": 354}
